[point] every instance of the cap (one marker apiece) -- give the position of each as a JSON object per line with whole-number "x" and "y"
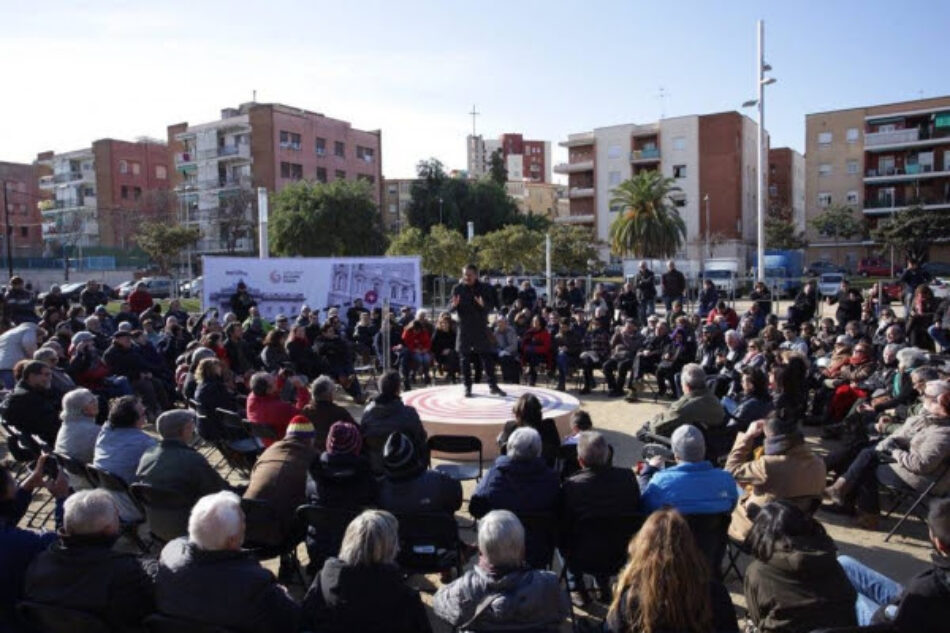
{"x": 843, "y": 339}
{"x": 125, "y": 326}
{"x": 578, "y": 309}
{"x": 688, "y": 444}
{"x": 82, "y": 337}
{"x": 121, "y": 333}
{"x": 101, "y": 308}
{"x": 344, "y": 438}
{"x": 399, "y": 455}
{"x": 300, "y": 426}
{"x": 789, "y": 325}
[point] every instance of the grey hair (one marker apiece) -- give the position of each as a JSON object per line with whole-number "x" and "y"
{"x": 91, "y": 319}
{"x": 90, "y": 512}
{"x": 892, "y": 349}
{"x": 47, "y": 355}
{"x": 911, "y": 356}
{"x": 371, "y": 538}
{"x": 524, "y": 443}
{"x": 592, "y": 448}
{"x": 732, "y": 334}
{"x": 693, "y": 376}
{"x": 501, "y": 539}
{"x": 171, "y": 424}
{"x": 322, "y": 388}
{"x": 215, "y": 519}
{"x": 75, "y": 401}
{"x": 925, "y": 373}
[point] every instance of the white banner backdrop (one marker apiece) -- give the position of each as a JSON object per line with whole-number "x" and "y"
{"x": 281, "y": 285}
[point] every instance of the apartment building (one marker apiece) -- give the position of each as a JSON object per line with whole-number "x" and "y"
{"x": 712, "y": 158}
{"x": 548, "y": 200}
{"x": 787, "y": 184}
{"x": 525, "y": 160}
{"x": 21, "y": 195}
{"x": 97, "y": 195}
{"x": 876, "y": 160}
{"x": 219, "y": 164}
{"x": 397, "y": 195}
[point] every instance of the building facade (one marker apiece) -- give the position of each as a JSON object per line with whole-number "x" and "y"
{"x": 711, "y": 157}
{"x": 525, "y": 160}
{"x": 548, "y": 200}
{"x": 21, "y": 197}
{"x": 875, "y": 160}
{"x": 787, "y": 185}
{"x": 397, "y": 195}
{"x": 218, "y": 165}
{"x": 99, "y": 195}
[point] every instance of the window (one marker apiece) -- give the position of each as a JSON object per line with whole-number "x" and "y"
{"x": 123, "y": 167}
{"x": 887, "y": 127}
{"x": 124, "y": 192}
{"x": 136, "y": 169}
{"x": 851, "y": 197}
{"x": 289, "y": 140}
{"x": 393, "y": 207}
{"x": 824, "y": 138}
{"x": 824, "y": 169}
{"x": 679, "y": 171}
{"x": 679, "y": 143}
{"x": 137, "y": 192}
{"x": 161, "y": 172}
{"x": 365, "y": 154}
{"x": 679, "y": 201}
{"x": 885, "y": 166}
{"x": 616, "y": 208}
{"x": 613, "y": 178}
{"x": 366, "y": 177}
{"x": 852, "y": 167}
{"x": 292, "y": 171}
{"x": 339, "y": 149}
{"x": 88, "y": 191}
{"x": 321, "y": 146}
{"x": 824, "y": 199}
{"x": 614, "y": 151}
{"x": 321, "y": 174}
{"x": 339, "y": 174}
{"x": 24, "y": 231}
{"x": 885, "y": 196}
{"x": 852, "y": 135}
{"x": 773, "y": 190}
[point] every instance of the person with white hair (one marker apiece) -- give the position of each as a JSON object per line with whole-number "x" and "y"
{"x": 245, "y": 596}
{"x": 519, "y": 481}
{"x": 500, "y": 592}
{"x": 60, "y": 382}
{"x": 77, "y": 434}
{"x": 363, "y": 589}
{"x": 82, "y": 571}
{"x": 698, "y": 404}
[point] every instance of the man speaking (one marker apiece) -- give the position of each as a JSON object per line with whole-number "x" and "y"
{"x": 472, "y": 300}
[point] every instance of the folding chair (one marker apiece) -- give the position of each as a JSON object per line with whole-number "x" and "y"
{"x": 903, "y": 494}
{"x": 75, "y": 469}
{"x": 429, "y": 542}
{"x": 158, "y": 623}
{"x": 711, "y": 532}
{"x": 166, "y": 511}
{"x": 540, "y": 537}
{"x": 256, "y": 513}
{"x": 51, "y": 618}
{"x": 113, "y": 483}
{"x": 367, "y": 368}
{"x": 327, "y": 525}
{"x": 567, "y": 461}
{"x": 22, "y": 449}
{"x": 457, "y": 445}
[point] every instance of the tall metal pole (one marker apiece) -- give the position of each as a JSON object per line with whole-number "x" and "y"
{"x": 264, "y": 249}
{"x": 708, "y": 244}
{"x": 760, "y": 137}
{"x": 547, "y": 267}
{"x": 8, "y": 228}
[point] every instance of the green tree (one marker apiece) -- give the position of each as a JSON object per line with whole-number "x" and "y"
{"x": 326, "y": 219}
{"x": 911, "y": 231}
{"x": 512, "y": 249}
{"x": 781, "y": 234}
{"x": 446, "y": 252}
{"x": 497, "y": 170}
{"x": 409, "y": 241}
{"x": 839, "y": 223}
{"x": 164, "y": 242}
{"x": 574, "y": 249}
{"x": 649, "y": 225}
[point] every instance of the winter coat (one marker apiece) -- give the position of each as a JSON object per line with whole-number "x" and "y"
{"x": 125, "y": 362}
{"x": 473, "y": 318}
{"x": 386, "y": 415}
{"x": 32, "y": 411}
{"x": 800, "y": 589}
{"x": 644, "y": 284}
{"x": 366, "y": 598}
{"x": 279, "y": 478}
{"x": 697, "y": 406}
{"x": 246, "y": 597}
{"x": 597, "y": 491}
{"x": 691, "y": 488}
{"x": 322, "y": 415}
{"x": 416, "y": 340}
{"x": 274, "y": 412}
{"x": 498, "y": 600}
{"x": 140, "y": 301}
{"x": 924, "y": 606}
{"x": 18, "y": 548}
{"x": 519, "y": 485}
{"x": 723, "y": 612}
{"x": 924, "y": 447}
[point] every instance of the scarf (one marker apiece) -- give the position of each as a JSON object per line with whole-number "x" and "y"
{"x": 782, "y": 443}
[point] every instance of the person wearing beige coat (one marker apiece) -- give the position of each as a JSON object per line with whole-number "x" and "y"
{"x": 786, "y": 469}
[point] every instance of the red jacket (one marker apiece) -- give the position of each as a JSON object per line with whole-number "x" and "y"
{"x": 732, "y": 317}
{"x": 538, "y": 342}
{"x": 274, "y": 412}
{"x": 415, "y": 340}
{"x": 140, "y": 301}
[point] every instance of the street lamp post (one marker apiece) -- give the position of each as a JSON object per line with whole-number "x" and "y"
{"x": 440, "y": 212}
{"x": 708, "y": 245}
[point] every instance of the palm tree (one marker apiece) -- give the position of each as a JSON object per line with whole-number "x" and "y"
{"x": 649, "y": 225}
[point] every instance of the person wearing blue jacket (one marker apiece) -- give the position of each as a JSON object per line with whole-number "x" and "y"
{"x": 693, "y": 485}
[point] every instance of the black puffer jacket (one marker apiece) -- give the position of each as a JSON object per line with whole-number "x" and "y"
{"x": 924, "y": 607}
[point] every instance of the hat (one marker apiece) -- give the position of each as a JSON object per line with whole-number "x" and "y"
{"x": 300, "y": 426}
{"x": 121, "y": 333}
{"x": 332, "y": 312}
{"x": 578, "y": 309}
{"x": 789, "y": 325}
{"x": 843, "y": 339}
{"x": 125, "y": 326}
{"x": 82, "y": 337}
{"x": 344, "y": 438}
{"x": 688, "y": 444}
{"x": 302, "y": 321}
{"x": 101, "y": 308}
{"x": 280, "y": 317}
{"x": 399, "y": 455}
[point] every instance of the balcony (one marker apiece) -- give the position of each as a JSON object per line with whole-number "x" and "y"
{"x": 67, "y": 176}
{"x": 184, "y": 158}
{"x": 228, "y": 152}
{"x": 576, "y": 140}
{"x": 580, "y": 192}
{"x": 59, "y": 207}
{"x": 46, "y": 182}
{"x": 649, "y": 155}
{"x": 902, "y": 139}
{"x": 908, "y": 172}
{"x": 587, "y": 218}
{"x": 234, "y": 182}
{"x": 889, "y": 205}
{"x": 571, "y": 168}
{"x": 58, "y": 231}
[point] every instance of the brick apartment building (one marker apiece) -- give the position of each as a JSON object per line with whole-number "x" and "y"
{"x": 525, "y": 160}
{"x": 876, "y": 160}
{"x": 21, "y": 195}
{"x": 263, "y": 145}
{"x": 98, "y": 195}
{"x": 787, "y": 184}
{"x": 712, "y": 158}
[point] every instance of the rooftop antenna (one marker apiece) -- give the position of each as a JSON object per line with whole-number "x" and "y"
{"x": 662, "y": 97}
{"x": 474, "y": 113}
{"x": 254, "y": 96}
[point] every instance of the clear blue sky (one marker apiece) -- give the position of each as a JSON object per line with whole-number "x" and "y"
{"x": 74, "y": 72}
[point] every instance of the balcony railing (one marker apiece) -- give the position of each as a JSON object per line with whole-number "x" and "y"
{"x": 649, "y": 154}
{"x": 46, "y": 181}
{"x": 224, "y": 151}
{"x": 568, "y": 168}
{"x": 894, "y": 137}
{"x": 184, "y": 157}
{"x": 580, "y": 192}
{"x": 225, "y": 183}
{"x": 68, "y": 176}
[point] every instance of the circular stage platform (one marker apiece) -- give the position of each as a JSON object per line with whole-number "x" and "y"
{"x": 446, "y": 411}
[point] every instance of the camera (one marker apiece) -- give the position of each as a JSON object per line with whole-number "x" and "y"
{"x": 51, "y": 467}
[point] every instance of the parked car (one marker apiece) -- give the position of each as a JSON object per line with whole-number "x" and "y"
{"x": 191, "y": 288}
{"x": 877, "y": 267}
{"x": 820, "y": 267}
{"x": 937, "y": 269}
{"x": 73, "y": 289}
{"x": 830, "y": 283}
{"x": 940, "y": 287}
{"x": 158, "y": 287}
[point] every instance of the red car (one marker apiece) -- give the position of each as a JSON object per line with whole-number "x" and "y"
{"x": 876, "y": 267}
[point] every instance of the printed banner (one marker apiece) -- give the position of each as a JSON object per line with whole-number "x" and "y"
{"x": 283, "y": 285}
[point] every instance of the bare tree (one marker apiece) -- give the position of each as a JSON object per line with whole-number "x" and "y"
{"x": 236, "y": 218}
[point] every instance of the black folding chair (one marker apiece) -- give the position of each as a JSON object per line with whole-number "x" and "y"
{"x": 540, "y": 537}
{"x": 328, "y": 524}
{"x": 429, "y": 542}
{"x": 260, "y": 513}
{"x": 166, "y": 511}
{"x": 711, "y": 532}
{"x": 903, "y": 494}
{"x": 457, "y": 445}
{"x": 567, "y": 460}
{"x": 75, "y": 468}
{"x": 259, "y": 431}
{"x": 22, "y": 448}
{"x": 158, "y": 623}
{"x": 373, "y": 450}
{"x": 113, "y": 483}
{"x": 51, "y": 618}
